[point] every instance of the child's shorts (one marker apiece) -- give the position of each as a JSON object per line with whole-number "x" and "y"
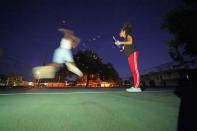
{"x": 62, "y": 55}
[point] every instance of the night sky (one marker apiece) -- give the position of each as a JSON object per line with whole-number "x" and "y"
{"x": 28, "y": 29}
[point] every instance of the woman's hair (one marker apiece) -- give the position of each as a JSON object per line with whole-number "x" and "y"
{"x": 127, "y": 28}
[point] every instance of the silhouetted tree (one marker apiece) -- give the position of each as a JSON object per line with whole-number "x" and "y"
{"x": 89, "y": 62}
{"x": 108, "y": 73}
{"x": 182, "y": 23}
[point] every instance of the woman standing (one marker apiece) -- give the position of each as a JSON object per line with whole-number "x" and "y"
{"x": 128, "y": 46}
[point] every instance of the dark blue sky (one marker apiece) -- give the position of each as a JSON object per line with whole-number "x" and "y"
{"x": 29, "y": 29}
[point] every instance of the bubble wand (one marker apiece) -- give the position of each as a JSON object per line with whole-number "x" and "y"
{"x": 118, "y": 45}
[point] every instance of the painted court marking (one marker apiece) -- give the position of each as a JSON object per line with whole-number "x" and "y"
{"x": 88, "y": 92}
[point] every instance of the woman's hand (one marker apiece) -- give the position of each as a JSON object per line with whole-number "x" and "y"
{"x": 117, "y": 42}
{"x": 121, "y": 50}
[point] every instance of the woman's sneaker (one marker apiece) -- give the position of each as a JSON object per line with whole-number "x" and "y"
{"x": 132, "y": 89}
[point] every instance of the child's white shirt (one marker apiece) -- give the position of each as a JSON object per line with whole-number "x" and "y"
{"x": 64, "y": 43}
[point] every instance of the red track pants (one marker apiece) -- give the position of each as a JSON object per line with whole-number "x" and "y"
{"x": 134, "y": 66}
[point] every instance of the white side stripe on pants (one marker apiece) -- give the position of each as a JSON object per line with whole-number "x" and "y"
{"x": 136, "y": 70}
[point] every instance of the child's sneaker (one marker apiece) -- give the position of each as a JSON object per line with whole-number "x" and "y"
{"x": 132, "y": 89}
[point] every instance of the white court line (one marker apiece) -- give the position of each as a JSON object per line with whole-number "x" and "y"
{"x": 68, "y": 93}
{"x": 53, "y": 93}
{"x": 6, "y": 94}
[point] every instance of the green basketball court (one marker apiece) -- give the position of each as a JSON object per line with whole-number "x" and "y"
{"x": 86, "y": 109}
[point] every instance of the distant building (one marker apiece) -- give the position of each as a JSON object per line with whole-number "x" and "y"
{"x": 10, "y": 80}
{"x": 168, "y": 78}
